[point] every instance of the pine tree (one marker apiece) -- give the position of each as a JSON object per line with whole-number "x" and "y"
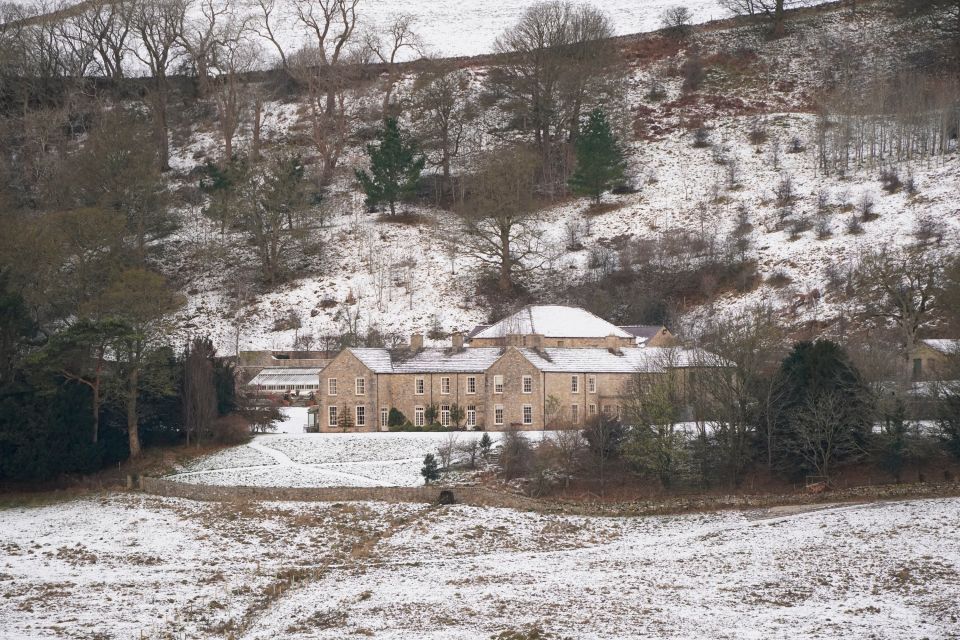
{"x": 486, "y": 443}
{"x": 395, "y": 166}
{"x": 600, "y": 161}
{"x": 430, "y": 470}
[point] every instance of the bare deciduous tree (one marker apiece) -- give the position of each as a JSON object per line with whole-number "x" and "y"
{"x": 386, "y": 48}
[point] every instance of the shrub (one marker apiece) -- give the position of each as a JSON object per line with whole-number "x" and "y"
{"x": 231, "y": 429}
{"x": 430, "y": 470}
{"x": 676, "y": 21}
{"x": 516, "y": 454}
{"x": 890, "y": 179}
{"x": 796, "y": 145}
{"x": 396, "y": 418}
{"x": 757, "y": 134}
{"x": 701, "y": 138}
{"x": 854, "y": 226}
{"x": 784, "y": 191}
{"x": 866, "y": 205}
{"x": 823, "y": 228}
{"x": 779, "y": 278}
{"x": 656, "y": 93}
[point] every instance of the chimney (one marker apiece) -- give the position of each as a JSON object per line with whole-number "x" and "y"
{"x": 416, "y": 342}
{"x": 535, "y": 341}
{"x": 457, "y": 341}
{"x": 613, "y": 343}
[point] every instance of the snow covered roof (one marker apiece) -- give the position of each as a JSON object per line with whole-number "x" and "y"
{"x": 278, "y": 376}
{"x": 553, "y": 321}
{"x": 650, "y": 360}
{"x": 377, "y": 360}
{"x": 944, "y": 345}
{"x": 429, "y": 360}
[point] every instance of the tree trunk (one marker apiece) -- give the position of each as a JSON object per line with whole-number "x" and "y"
{"x": 133, "y": 422}
{"x": 778, "y": 18}
{"x": 506, "y": 283}
{"x": 162, "y": 131}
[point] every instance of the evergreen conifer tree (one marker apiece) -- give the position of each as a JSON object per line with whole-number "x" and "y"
{"x": 430, "y": 470}
{"x": 395, "y": 167}
{"x": 600, "y": 161}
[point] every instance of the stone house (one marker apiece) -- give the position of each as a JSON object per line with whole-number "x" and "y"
{"x": 935, "y": 359}
{"x": 564, "y": 367}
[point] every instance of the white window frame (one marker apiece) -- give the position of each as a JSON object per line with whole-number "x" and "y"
{"x": 419, "y": 417}
{"x": 498, "y": 384}
{"x": 419, "y": 386}
{"x": 384, "y": 416}
{"x": 591, "y": 384}
{"x": 445, "y": 385}
{"x": 331, "y": 386}
{"x": 574, "y": 413}
{"x": 498, "y": 415}
{"x": 471, "y": 415}
{"x": 526, "y": 384}
{"x": 574, "y": 384}
{"x": 332, "y": 417}
{"x": 444, "y": 415}
{"x": 471, "y": 385}
{"x": 592, "y": 410}
{"x": 361, "y": 416}
{"x": 527, "y": 414}
{"x": 360, "y": 386}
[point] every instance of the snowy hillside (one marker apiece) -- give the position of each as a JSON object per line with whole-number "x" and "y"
{"x": 362, "y": 272}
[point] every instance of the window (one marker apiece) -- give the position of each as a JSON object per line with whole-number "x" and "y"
{"x": 471, "y": 416}
{"x": 498, "y": 384}
{"x": 528, "y": 384}
{"x": 418, "y": 386}
{"x": 332, "y": 386}
{"x": 445, "y": 386}
{"x": 471, "y": 385}
{"x": 917, "y": 367}
{"x": 527, "y": 414}
{"x": 361, "y": 386}
{"x": 592, "y": 410}
{"x": 560, "y": 343}
{"x": 592, "y": 384}
{"x": 575, "y": 384}
{"x": 498, "y": 414}
{"x": 384, "y": 417}
{"x": 607, "y": 410}
{"x": 332, "y": 416}
{"x": 574, "y": 413}
{"x": 444, "y": 415}
{"x": 418, "y": 417}
{"x": 361, "y": 416}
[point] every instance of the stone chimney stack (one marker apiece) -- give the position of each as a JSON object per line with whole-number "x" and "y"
{"x": 457, "y": 341}
{"x": 416, "y": 342}
{"x": 613, "y": 343}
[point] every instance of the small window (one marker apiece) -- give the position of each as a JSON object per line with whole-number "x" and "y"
{"x": 384, "y": 417}
{"x": 418, "y": 386}
{"x": 527, "y": 414}
{"x": 560, "y": 343}
{"x": 445, "y": 386}
{"x": 361, "y": 386}
{"x": 444, "y": 415}
{"x": 592, "y": 384}
{"x": 498, "y": 414}
{"x": 498, "y": 384}
{"x": 471, "y": 385}
{"x": 574, "y": 413}
{"x": 332, "y": 416}
{"x": 607, "y": 410}
{"x": 471, "y": 416}
{"x": 592, "y": 410}
{"x": 419, "y": 418}
{"x": 575, "y": 384}
{"x": 332, "y": 386}
{"x": 528, "y": 384}
{"x": 361, "y": 416}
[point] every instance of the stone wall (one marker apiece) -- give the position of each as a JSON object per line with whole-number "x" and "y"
{"x": 477, "y": 496}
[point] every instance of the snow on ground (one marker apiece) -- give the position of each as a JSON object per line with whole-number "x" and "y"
{"x": 326, "y": 460}
{"x": 126, "y": 565}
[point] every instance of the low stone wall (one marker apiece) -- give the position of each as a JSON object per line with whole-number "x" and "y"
{"x": 478, "y": 496}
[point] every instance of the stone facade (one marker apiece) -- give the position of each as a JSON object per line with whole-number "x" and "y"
{"x": 526, "y": 381}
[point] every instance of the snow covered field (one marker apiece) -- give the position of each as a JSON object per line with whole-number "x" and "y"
{"x": 125, "y": 565}
{"x": 324, "y": 460}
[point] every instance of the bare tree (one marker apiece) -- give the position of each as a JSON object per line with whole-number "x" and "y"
{"x": 203, "y": 36}
{"x": 106, "y": 24}
{"x": 199, "y": 390}
{"x": 441, "y": 111}
{"x": 398, "y": 36}
{"x": 233, "y": 97}
{"x": 823, "y": 434}
{"x": 158, "y": 26}
{"x": 900, "y": 287}
{"x": 775, "y": 10}
{"x": 498, "y": 222}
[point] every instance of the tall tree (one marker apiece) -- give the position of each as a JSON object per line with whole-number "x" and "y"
{"x": 389, "y": 47}
{"x": 600, "y": 161}
{"x": 199, "y": 392}
{"x": 499, "y": 218}
{"x": 141, "y": 301}
{"x": 442, "y": 107}
{"x": 158, "y": 25}
{"x": 395, "y": 167}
